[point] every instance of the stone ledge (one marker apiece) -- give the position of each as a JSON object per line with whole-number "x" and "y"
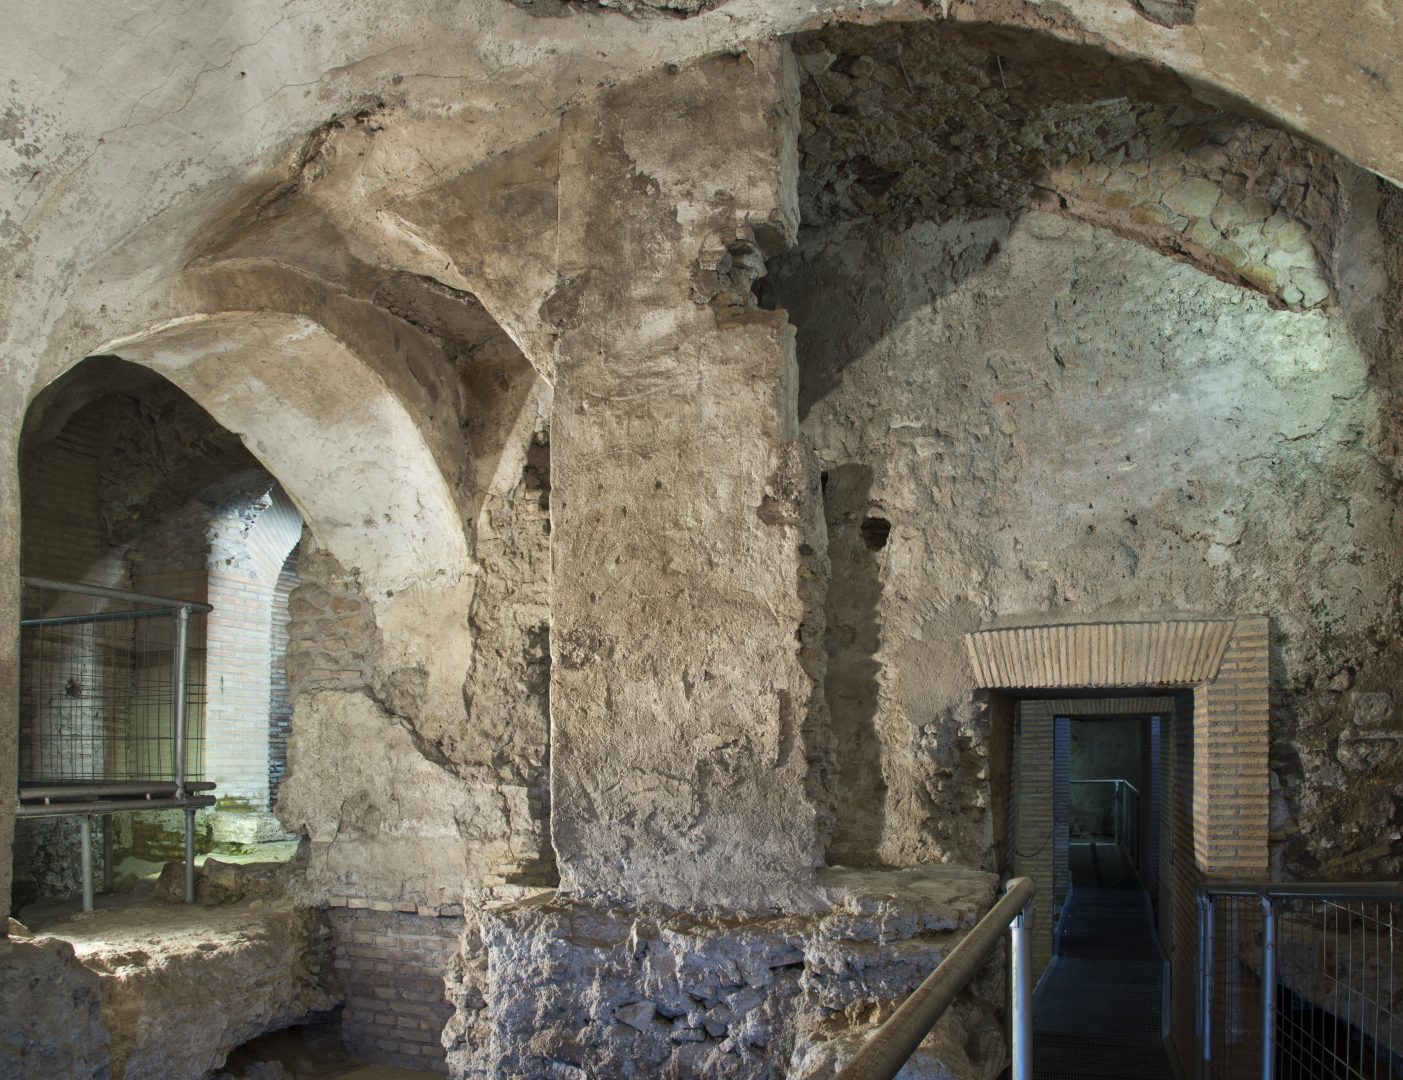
{"x": 684, "y": 995}
{"x": 182, "y": 985}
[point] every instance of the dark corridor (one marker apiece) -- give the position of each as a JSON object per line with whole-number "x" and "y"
{"x": 1099, "y": 1011}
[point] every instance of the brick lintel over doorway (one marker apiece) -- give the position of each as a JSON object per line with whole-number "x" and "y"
{"x": 1224, "y": 661}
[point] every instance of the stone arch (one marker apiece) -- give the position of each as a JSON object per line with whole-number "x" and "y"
{"x": 356, "y": 464}
{"x": 329, "y": 429}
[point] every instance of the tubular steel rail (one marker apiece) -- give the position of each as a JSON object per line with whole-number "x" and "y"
{"x": 895, "y": 1041}
{"x": 1301, "y": 981}
{"x": 84, "y": 755}
{"x": 1124, "y": 812}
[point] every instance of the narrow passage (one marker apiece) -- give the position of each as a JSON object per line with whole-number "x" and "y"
{"x": 1098, "y": 1013}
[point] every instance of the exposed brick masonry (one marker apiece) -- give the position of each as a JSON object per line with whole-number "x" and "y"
{"x": 391, "y": 965}
{"x": 279, "y": 701}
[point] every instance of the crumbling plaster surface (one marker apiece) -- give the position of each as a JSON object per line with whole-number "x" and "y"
{"x": 681, "y": 504}
{"x": 906, "y": 125}
{"x": 122, "y": 207}
{"x": 455, "y": 795}
{"x": 285, "y": 384}
{"x": 1060, "y": 424}
{"x": 458, "y": 87}
{"x": 441, "y": 804}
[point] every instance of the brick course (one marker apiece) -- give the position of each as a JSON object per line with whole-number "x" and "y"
{"x": 392, "y": 966}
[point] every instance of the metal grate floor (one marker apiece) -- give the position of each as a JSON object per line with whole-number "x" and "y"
{"x": 1099, "y": 1012}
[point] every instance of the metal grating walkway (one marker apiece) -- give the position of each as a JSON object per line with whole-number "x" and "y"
{"x": 1098, "y": 1014}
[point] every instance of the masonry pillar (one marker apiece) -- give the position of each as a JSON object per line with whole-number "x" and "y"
{"x": 684, "y": 554}
{"x": 9, "y": 663}
{"x": 244, "y": 564}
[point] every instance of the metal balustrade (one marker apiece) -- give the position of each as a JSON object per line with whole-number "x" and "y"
{"x": 884, "y": 1054}
{"x": 106, "y": 702}
{"x": 1301, "y": 981}
{"x": 1107, "y": 808}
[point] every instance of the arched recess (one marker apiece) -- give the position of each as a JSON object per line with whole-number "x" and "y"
{"x": 330, "y": 430}
{"x": 370, "y": 467}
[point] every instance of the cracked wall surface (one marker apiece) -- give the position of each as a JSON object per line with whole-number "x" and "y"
{"x": 681, "y": 506}
{"x": 1058, "y": 422}
{"x": 904, "y": 127}
{"x": 478, "y": 287}
{"x": 127, "y": 208}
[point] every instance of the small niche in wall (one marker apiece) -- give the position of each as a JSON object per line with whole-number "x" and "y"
{"x": 875, "y": 531}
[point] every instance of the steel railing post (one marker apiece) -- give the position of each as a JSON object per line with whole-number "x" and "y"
{"x": 1021, "y": 981}
{"x": 1205, "y": 983}
{"x": 1268, "y": 988}
{"x": 86, "y": 833}
{"x": 189, "y": 856}
{"x": 107, "y": 873}
{"x": 182, "y": 642}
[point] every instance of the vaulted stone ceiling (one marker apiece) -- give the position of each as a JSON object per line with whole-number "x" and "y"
{"x": 929, "y": 122}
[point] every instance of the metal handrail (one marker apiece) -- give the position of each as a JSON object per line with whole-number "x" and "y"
{"x": 1125, "y": 813}
{"x": 896, "y": 1040}
{"x": 83, "y": 589}
{"x": 1110, "y": 780}
{"x": 1329, "y": 890}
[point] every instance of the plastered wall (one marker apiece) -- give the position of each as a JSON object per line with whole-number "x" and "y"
{"x": 1058, "y": 422}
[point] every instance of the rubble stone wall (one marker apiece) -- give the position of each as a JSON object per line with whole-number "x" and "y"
{"x": 1058, "y": 423}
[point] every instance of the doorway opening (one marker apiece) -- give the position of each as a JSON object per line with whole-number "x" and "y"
{"x": 1092, "y": 776}
{"x": 1210, "y": 679}
{"x": 1096, "y": 806}
{"x": 132, "y": 491}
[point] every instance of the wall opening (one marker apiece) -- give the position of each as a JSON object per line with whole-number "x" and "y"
{"x": 1086, "y": 803}
{"x": 1203, "y": 683}
{"x": 127, "y": 483}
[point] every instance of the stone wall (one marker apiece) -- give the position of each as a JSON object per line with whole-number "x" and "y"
{"x": 453, "y": 799}
{"x": 507, "y": 690}
{"x": 907, "y": 125}
{"x": 684, "y": 533}
{"x": 1058, "y": 422}
{"x": 576, "y": 989}
{"x": 50, "y": 1018}
{"x": 969, "y": 385}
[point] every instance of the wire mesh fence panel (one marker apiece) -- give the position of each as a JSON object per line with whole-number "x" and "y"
{"x": 1234, "y": 1032}
{"x": 1337, "y": 1013}
{"x": 1337, "y": 1010}
{"x": 97, "y": 689}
